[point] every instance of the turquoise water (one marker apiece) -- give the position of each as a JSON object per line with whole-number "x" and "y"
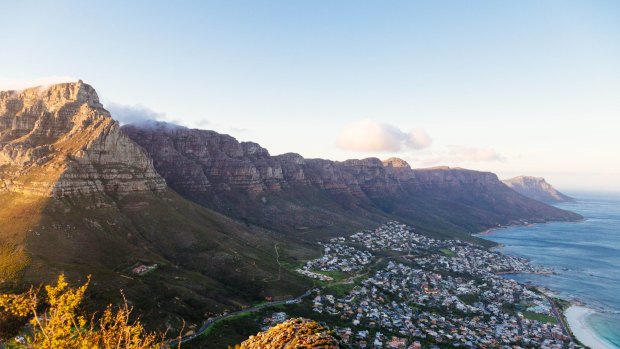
{"x": 585, "y": 255}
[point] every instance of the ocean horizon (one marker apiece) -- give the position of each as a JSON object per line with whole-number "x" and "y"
{"x": 585, "y": 256}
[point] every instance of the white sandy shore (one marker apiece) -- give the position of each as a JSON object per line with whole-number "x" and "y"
{"x": 576, "y": 317}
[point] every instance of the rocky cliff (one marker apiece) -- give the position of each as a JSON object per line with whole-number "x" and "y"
{"x": 287, "y": 191}
{"x": 79, "y": 197}
{"x": 60, "y": 141}
{"x": 536, "y": 188}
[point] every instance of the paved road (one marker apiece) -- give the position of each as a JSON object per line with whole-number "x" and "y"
{"x": 558, "y": 316}
{"x": 207, "y": 324}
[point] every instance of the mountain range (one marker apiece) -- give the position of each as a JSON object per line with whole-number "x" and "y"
{"x": 214, "y": 223}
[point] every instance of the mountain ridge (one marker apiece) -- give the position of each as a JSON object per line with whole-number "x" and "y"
{"x": 216, "y": 170}
{"x": 211, "y": 218}
{"x": 79, "y": 197}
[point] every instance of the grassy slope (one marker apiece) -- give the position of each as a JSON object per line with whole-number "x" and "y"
{"x": 207, "y": 262}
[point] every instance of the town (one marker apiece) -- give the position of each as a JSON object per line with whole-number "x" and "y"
{"x": 431, "y": 293}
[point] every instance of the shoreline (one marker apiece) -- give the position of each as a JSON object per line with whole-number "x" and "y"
{"x": 576, "y": 316}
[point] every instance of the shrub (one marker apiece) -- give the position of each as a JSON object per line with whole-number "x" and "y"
{"x": 60, "y": 325}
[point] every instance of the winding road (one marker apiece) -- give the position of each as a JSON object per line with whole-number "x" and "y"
{"x": 211, "y": 321}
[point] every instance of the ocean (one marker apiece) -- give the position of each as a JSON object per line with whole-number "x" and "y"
{"x": 585, "y": 256}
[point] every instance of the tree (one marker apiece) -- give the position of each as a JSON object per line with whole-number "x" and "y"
{"x": 60, "y": 325}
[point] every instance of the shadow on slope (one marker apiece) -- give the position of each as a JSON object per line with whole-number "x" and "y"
{"x": 206, "y": 263}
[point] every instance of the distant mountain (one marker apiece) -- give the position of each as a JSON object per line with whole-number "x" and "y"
{"x": 78, "y": 196}
{"x": 536, "y": 188}
{"x": 316, "y": 197}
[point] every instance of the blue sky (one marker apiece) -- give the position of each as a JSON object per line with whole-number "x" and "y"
{"x": 514, "y": 87}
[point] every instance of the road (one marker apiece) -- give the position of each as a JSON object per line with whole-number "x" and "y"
{"x": 558, "y": 316}
{"x": 207, "y": 324}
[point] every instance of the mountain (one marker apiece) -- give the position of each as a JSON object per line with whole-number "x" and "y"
{"x": 60, "y": 142}
{"x": 293, "y": 333}
{"x": 316, "y": 197}
{"x": 537, "y": 188}
{"x": 192, "y": 223}
{"x": 77, "y": 196}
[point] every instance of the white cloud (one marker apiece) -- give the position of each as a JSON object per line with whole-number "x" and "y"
{"x": 7, "y": 83}
{"x": 367, "y": 135}
{"x": 455, "y": 155}
{"x": 130, "y": 114}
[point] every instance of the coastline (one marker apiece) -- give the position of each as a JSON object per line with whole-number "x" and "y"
{"x": 576, "y": 316}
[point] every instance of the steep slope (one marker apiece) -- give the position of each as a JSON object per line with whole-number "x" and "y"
{"x": 80, "y": 197}
{"x": 290, "y": 193}
{"x": 536, "y": 188}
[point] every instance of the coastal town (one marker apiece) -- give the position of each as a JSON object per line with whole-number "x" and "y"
{"x": 400, "y": 289}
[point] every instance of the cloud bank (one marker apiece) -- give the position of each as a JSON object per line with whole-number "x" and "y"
{"x": 133, "y": 114}
{"x": 457, "y": 155}
{"x": 370, "y": 136}
{"x": 7, "y": 83}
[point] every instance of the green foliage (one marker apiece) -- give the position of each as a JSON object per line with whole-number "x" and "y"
{"x": 447, "y": 252}
{"x": 540, "y": 317}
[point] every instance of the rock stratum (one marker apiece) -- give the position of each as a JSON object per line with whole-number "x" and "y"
{"x": 60, "y": 141}
{"x": 289, "y": 192}
{"x": 537, "y": 188}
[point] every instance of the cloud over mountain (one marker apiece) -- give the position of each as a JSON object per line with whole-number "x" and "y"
{"x": 7, "y": 83}
{"x": 130, "y": 114}
{"x": 459, "y": 155}
{"x": 369, "y": 135}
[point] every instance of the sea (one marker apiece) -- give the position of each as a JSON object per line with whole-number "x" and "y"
{"x": 585, "y": 256}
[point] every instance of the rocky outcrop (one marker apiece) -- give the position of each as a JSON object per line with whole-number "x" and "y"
{"x": 536, "y": 188}
{"x": 60, "y": 141}
{"x": 285, "y": 191}
{"x": 294, "y": 333}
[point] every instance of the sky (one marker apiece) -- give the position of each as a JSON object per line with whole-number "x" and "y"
{"x": 523, "y": 87}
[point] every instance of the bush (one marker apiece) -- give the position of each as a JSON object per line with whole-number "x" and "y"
{"x": 60, "y": 325}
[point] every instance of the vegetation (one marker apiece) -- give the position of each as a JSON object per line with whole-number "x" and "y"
{"x": 56, "y": 322}
{"x": 540, "y": 317}
{"x": 447, "y": 252}
{"x": 12, "y": 261}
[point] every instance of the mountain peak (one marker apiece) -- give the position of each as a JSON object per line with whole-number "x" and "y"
{"x": 396, "y": 163}
{"x": 536, "y": 188}
{"x": 59, "y": 140}
{"x": 53, "y": 97}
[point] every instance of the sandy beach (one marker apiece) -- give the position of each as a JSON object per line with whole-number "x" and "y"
{"x": 576, "y": 317}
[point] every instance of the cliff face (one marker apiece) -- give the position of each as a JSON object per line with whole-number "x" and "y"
{"x": 78, "y": 197}
{"x": 536, "y": 188}
{"x": 288, "y": 191}
{"x": 60, "y": 141}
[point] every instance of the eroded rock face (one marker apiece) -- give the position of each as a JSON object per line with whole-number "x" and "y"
{"x": 194, "y": 160}
{"x": 60, "y": 141}
{"x": 200, "y": 161}
{"x": 287, "y": 191}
